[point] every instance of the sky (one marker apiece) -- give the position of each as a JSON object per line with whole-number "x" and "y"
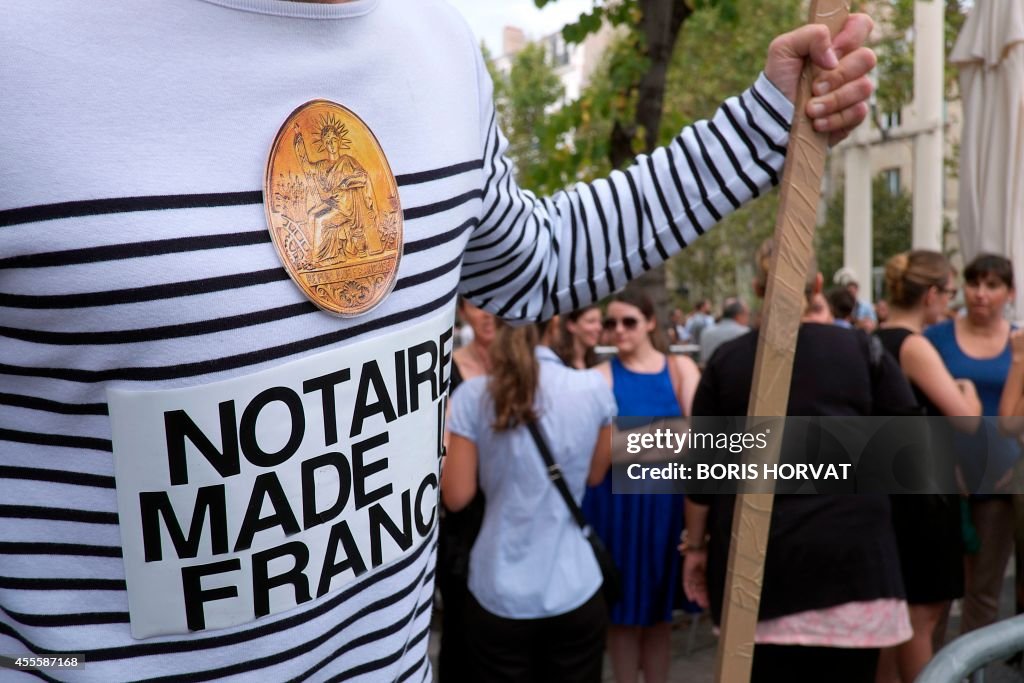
{"x": 487, "y": 18}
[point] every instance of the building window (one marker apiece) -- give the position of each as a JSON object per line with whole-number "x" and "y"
{"x": 891, "y": 120}
{"x": 892, "y": 180}
{"x": 558, "y": 50}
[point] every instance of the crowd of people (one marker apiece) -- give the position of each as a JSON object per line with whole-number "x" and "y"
{"x": 857, "y": 586}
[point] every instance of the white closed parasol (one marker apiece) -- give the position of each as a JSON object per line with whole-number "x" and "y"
{"x": 990, "y": 54}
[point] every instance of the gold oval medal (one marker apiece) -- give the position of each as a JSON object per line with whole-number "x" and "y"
{"x": 332, "y": 208}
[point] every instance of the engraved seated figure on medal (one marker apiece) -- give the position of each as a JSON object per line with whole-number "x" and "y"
{"x": 339, "y": 193}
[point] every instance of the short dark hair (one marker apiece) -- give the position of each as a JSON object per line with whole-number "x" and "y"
{"x": 984, "y": 265}
{"x": 842, "y": 303}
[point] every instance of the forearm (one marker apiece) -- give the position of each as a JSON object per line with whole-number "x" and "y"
{"x": 530, "y": 257}
{"x": 458, "y": 473}
{"x": 1011, "y": 403}
{"x": 696, "y": 516}
{"x": 602, "y": 457}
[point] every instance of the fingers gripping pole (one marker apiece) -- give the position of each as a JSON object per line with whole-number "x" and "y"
{"x": 784, "y": 303}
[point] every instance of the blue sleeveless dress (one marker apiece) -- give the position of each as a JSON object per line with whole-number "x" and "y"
{"x": 641, "y": 531}
{"x": 986, "y": 455}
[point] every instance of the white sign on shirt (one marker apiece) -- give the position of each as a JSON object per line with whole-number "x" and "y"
{"x": 247, "y": 497}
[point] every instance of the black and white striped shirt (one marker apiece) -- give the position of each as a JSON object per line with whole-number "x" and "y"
{"x": 134, "y": 257}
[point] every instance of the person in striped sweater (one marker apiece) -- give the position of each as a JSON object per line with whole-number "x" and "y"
{"x": 203, "y": 475}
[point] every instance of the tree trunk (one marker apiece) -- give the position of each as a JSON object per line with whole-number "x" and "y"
{"x": 661, "y": 23}
{"x": 660, "y": 26}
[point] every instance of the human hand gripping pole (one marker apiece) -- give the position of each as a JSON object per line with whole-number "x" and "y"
{"x": 784, "y": 299}
{"x": 841, "y": 86}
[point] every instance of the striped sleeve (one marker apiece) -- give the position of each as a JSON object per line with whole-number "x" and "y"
{"x": 529, "y": 257}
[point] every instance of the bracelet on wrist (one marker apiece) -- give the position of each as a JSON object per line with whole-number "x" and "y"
{"x": 688, "y": 545}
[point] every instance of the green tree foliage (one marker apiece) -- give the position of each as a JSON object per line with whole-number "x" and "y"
{"x": 700, "y": 52}
{"x": 892, "y": 220}
{"x": 649, "y": 31}
{"x": 523, "y": 98}
{"x": 719, "y": 55}
{"x": 719, "y": 51}
{"x": 591, "y": 118}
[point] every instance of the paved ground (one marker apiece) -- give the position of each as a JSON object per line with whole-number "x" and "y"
{"x": 693, "y": 656}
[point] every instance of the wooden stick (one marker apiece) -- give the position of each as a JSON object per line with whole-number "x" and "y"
{"x": 769, "y": 395}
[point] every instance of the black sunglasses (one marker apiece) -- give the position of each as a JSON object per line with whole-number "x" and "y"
{"x": 628, "y": 322}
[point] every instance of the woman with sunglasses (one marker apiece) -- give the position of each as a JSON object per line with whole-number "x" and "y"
{"x": 977, "y": 346}
{"x": 642, "y": 531}
{"x": 536, "y": 610}
{"x": 928, "y": 536}
{"x": 579, "y": 333}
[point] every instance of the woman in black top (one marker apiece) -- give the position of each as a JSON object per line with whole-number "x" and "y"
{"x": 824, "y": 551}
{"x": 920, "y": 285}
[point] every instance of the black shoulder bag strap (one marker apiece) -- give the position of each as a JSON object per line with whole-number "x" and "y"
{"x": 555, "y": 474}
{"x": 611, "y": 586}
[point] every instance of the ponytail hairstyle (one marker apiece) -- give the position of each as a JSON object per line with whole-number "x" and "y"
{"x": 638, "y": 299}
{"x": 565, "y": 346}
{"x": 512, "y": 382}
{"x": 909, "y": 276}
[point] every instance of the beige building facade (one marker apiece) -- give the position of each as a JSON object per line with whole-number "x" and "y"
{"x": 911, "y": 149}
{"x": 574, "y": 64}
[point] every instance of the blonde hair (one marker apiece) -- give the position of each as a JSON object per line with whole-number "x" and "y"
{"x": 910, "y": 274}
{"x": 514, "y": 375}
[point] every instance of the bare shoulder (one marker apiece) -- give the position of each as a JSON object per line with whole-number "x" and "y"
{"x": 685, "y": 365}
{"x": 605, "y": 369}
{"x": 917, "y": 348}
